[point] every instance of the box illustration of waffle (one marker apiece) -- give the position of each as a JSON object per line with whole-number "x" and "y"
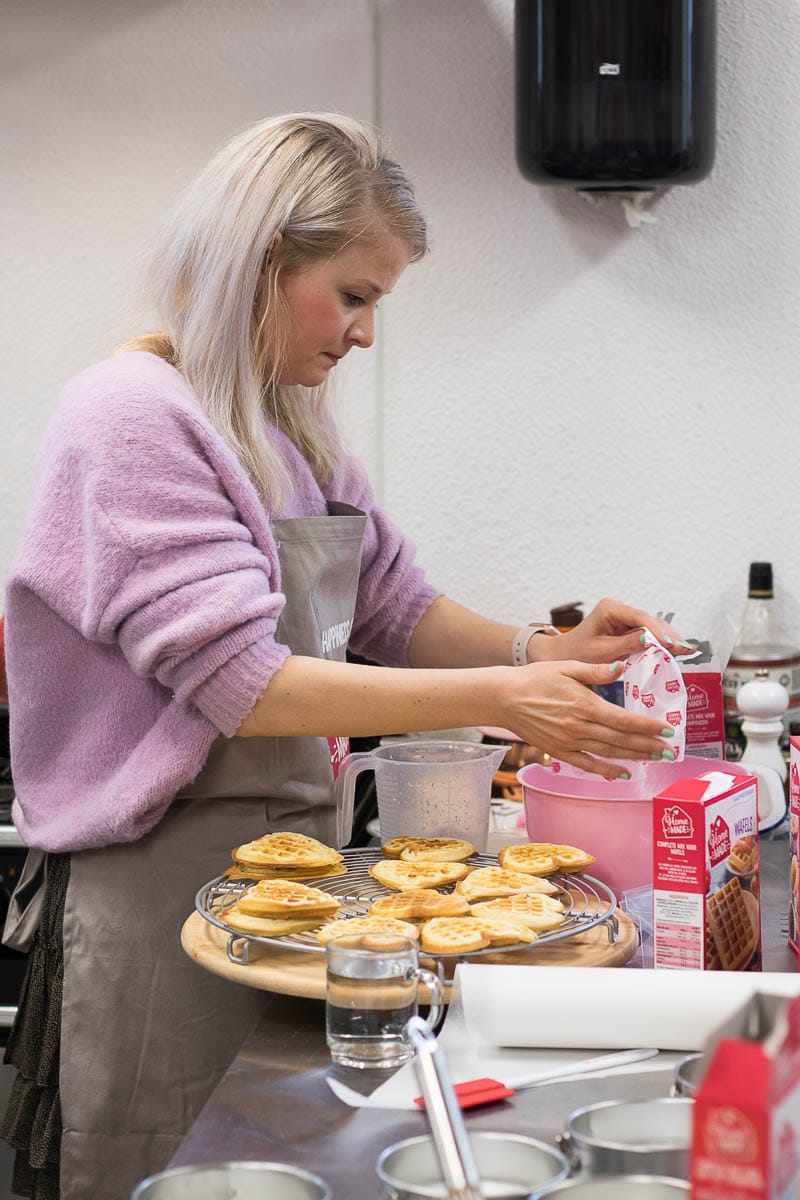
{"x": 746, "y": 1115}
{"x": 794, "y": 843}
{"x": 706, "y": 878}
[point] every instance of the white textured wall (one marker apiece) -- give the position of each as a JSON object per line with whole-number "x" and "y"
{"x": 574, "y": 408}
{"x": 109, "y": 108}
{"x": 562, "y": 407}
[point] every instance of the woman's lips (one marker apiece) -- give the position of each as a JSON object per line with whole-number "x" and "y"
{"x": 332, "y": 358}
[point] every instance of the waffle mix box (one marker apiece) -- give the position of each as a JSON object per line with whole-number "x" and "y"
{"x": 794, "y": 826}
{"x": 706, "y": 881}
{"x": 746, "y": 1116}
{"x": 705, "y": 715}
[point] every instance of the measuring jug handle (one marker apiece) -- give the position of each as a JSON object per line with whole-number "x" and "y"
{"x": 345, "y": 790}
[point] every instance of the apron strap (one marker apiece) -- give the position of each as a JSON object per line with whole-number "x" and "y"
{"x": 25, "y": 907}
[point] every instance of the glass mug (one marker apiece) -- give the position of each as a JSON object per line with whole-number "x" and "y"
{"x": 372, "y": 989}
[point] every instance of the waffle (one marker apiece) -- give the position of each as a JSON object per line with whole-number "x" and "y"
{"x": 287, "y": 851}
{"x": 368, "y": 925}
{"x": 502, "y": 930}
{"x": 433, "y": 850}
{"x": 743, "y": 857}
{"x": 532, "y": 858}
{"x": 537, "y": 912}
{"x": 419, "y": 905}
{"x": 488, "y": 882}
{"x": 268, "y": 926}
{"x": 570, "y": 858}
{"x": 395, "y": 846}
{"x": 712, "y": 958}
{"x": 403, "y": 876}
{"x": 731, "y": 928}
{"x": 238, "y": 871}
{"x": 286, "y": 898}
{"x": 452, "y": 935}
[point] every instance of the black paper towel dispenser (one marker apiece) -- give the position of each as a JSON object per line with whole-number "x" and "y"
{"x": 615, "y": 95}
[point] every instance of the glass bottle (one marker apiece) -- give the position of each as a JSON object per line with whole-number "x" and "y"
{"x": 759, "y": 633}
{"x": 762, "y": 645}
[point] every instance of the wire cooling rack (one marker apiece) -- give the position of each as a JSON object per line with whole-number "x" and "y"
{"x": 587, "y": 902}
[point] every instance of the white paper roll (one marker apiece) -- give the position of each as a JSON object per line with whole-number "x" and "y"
{"x": 605, "y": 1008}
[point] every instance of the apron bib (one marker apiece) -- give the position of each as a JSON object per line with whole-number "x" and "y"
{"x": 146, "y": 1034}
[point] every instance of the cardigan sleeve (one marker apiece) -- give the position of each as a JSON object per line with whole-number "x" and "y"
{"x": 155, "y": 557}
{"x": 200, "y": 617}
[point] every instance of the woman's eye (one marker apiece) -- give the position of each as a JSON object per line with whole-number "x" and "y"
{"x": 354, "y": 301}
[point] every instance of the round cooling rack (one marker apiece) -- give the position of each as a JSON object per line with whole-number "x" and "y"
{"x": 587, "y": 902}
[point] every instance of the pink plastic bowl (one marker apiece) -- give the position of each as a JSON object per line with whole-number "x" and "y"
{"x": 612, "y": 820}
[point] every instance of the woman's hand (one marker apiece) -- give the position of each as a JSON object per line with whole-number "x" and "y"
{"x": 611, "y": 631}
{"x": 552, "y": 708}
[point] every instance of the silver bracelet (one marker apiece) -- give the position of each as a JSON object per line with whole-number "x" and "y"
{"x": 519, "y": 646}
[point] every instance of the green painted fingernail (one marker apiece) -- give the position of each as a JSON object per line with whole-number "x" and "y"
{"x": 688, "y": 645}
{"x": 668, "y": 755}
{"x": 613, "y": 666}
{"x": 667, "y": 639}
{"x": 623, "y": 775}
{"x": 668, "y": 733}
{"x": 643, "y": 637}
{"x": 656, "y": 757}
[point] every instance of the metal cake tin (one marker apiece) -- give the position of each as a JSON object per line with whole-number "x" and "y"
{"x": 617, "y": 1187}
{"x": 244, "y": 1180}
{"x": 511, "y": 1166}
{"x": 636, "y": 1137}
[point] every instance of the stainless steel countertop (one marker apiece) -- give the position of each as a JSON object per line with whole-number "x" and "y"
{"x": 274, "y": 1103}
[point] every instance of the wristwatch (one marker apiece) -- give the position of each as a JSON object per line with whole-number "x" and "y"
{"x": 519, "y": 646}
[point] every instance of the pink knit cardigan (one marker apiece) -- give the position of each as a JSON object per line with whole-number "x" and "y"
{"x": 143, "y": 600}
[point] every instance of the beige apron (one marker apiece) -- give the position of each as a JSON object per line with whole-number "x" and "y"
{"x": 146, "y": 1034}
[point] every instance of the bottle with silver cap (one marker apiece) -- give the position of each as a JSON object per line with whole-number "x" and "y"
{"x": 762, "y": 645}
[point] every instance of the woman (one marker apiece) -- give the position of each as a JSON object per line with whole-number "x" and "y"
{"x": 199, "y": 551}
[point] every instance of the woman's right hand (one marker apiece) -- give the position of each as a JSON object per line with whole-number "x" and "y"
{"x": 551, "y": 706}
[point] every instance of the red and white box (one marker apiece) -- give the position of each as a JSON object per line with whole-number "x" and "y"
{"x": 706, "y": 874}
{"x": 794, "y": 843}
{"x": 746, "y": 1116}
{"x": 705, "y": 712}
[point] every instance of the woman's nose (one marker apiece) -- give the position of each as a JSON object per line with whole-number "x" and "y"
{"x": 362, "y": 330}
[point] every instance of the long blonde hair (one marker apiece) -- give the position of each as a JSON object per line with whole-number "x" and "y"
{"x": 320, "y": 180}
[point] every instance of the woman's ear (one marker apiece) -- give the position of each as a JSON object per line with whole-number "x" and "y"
{"x": 274, "y": 246}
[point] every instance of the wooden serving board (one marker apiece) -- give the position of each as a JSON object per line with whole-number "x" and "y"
{"x": 302, "y": 973}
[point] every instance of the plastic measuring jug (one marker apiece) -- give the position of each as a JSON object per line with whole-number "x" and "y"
{"x": 425, "y": 789}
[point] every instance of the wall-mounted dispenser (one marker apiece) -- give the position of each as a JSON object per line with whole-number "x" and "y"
{"x": 615, "y": 95}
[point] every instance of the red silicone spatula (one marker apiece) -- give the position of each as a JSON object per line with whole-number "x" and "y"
{"x": 474, "y": 1092}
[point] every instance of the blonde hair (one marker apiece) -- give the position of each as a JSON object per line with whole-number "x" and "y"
{"x": 320, "y": 180}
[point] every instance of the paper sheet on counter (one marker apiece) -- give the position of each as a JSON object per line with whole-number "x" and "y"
{"x": 400, "y": 1090}
{"x": 468, "y": 1058}
{"x": 603, "y": 1007}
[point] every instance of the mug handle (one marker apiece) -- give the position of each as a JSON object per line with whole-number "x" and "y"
{"x": 436, "y": 988}
{"x": 345, "y": 790}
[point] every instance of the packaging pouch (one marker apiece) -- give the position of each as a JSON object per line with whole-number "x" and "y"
{"x": 653, "y": 683}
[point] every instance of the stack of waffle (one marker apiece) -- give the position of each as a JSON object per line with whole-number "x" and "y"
{"x": 507, "y": 904}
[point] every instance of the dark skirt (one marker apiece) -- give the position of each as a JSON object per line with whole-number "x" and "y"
{"x": 32, "y": 1124}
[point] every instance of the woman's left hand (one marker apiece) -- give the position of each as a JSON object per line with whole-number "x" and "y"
{"x": 611, "y": 631}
